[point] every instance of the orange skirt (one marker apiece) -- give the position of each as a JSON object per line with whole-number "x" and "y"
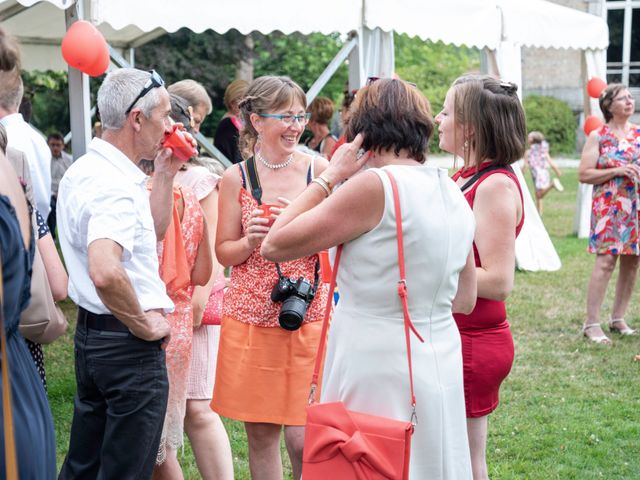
{"x": 263, "y": 373}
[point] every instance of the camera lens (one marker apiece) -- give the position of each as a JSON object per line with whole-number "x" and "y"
{"x": 292, "y": 313}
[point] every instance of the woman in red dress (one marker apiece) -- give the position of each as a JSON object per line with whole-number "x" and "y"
{"x": 482, "y": 121}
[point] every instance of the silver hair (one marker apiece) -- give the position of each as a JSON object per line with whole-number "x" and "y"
{"x": 117, "y": 92}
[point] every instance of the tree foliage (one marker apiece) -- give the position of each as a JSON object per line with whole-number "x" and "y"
{"x": 433, "y": 67}
{"x": 212, "y": 59}
{"x": 48, "y": 93}
{"x": 303, "y": 58}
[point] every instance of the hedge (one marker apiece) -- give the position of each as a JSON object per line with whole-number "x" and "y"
{"x": 554, "y": 119}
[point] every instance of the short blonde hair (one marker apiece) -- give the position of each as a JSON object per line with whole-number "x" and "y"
{"x": 193, "y": 92}
{"x": 235, "y": 91}
{"x": 536, "y": 137}
{"x": 321, "y": 110}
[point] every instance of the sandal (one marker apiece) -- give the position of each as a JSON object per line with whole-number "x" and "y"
{"x": 557, "y": 185}
{"x": 623, "y": 330}
{"x": 599, "y": 339}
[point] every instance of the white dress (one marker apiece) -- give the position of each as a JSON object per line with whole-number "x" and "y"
{"x": 366, "y": 361}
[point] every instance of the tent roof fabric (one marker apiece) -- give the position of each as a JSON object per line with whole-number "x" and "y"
{"x": 537, "y": 23}
{"x": 433, "y": 20}
{"x": 477, "y": 23}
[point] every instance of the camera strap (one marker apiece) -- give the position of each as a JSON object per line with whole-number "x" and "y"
{"x": 316, "y": 275}
{"x": 256, "y": 193}
{"x": 254, "y": 181}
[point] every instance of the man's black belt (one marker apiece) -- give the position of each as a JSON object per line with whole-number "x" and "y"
{"x": 100, "y": 322}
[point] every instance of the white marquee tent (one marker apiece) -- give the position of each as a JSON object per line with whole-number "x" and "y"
{"x": 500, "y": 27}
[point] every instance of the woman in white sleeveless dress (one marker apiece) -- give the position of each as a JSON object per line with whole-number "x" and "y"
{"x": 366, "y": 360}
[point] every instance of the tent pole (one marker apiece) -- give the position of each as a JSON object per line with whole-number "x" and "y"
{"x": 333, "y": 66}
{"x": 356, "y": 79}
{"x": 78, "y": 94}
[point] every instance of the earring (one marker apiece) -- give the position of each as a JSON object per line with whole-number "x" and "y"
{"x": 466, "y": 145}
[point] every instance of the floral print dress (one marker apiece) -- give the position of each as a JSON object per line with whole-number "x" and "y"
{"x": 614, "y": 211}
{"x": 539, "y": 166}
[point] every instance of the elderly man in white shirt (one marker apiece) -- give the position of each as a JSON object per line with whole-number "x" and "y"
{"x": 24, "y": 137}
{"x": 108, "y": 228}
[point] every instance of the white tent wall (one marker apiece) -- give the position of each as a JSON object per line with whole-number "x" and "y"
{"x": 595, "y": 65}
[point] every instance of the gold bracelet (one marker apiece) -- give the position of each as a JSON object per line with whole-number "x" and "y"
{"x": 326, "y": 180}
{"x": 326, "y": 183}
{"x": 322, "y": 184}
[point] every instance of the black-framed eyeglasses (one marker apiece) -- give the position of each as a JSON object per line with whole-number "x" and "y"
{"x": 288, "y": 118}
{"x": 372, "y": 79}
{"x": 155, "y": 81}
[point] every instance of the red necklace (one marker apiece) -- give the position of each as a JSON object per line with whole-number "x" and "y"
{"x": 466, "y": 172}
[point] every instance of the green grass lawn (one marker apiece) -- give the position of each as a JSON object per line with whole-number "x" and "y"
{"x": 569, "y": 408}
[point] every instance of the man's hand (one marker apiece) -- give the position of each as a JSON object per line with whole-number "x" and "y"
{"x": 165, "y": 164}
{"x": 155, "y": 327}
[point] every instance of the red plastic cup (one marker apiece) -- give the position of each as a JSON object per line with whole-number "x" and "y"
{"x": 266, "y": 212}
{"x": 182, "y": 148}
{"x": 325, "y": 266}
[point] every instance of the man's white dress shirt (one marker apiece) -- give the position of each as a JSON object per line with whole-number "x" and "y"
{"x": 103, "y": 195}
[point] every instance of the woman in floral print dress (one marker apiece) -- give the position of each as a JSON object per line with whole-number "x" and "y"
{"x": 185, "y": 261}
{"x": 264, "y": 370}
{"x": 611, "y": 162}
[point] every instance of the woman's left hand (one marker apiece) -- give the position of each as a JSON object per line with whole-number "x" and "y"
{"x": 278, "y": 209}
{"x": 346, "y": 161}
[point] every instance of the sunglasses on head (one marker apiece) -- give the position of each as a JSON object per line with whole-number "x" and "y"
{"x": 155, "y": 81}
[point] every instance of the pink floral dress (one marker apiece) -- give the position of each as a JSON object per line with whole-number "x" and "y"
{"x": 614, "y": 211}
{"x": 537, "y": 159}
{"x": 178, "y": 351}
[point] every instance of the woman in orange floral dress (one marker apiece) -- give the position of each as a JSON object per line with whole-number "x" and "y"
{"x": 264, "y": 370}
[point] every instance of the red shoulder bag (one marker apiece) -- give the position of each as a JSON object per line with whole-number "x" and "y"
{"x": 340, "y": 443}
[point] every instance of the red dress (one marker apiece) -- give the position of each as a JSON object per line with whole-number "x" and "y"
{"x": 487, "y": 344}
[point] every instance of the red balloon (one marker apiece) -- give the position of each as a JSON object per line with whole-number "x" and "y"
{"x": 592, "y": 123}
{"x": 102, "y": 63}
{"x": 595, "y": 86}
{"x": 83, "y": 47}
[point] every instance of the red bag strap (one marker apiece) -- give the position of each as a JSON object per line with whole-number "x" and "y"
{"x": 402, "y": 287}
{"x": 325, "y": 326}
{"x": 402, "y": 293}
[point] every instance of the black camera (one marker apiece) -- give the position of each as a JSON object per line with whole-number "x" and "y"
{"x": 296, "y": 296}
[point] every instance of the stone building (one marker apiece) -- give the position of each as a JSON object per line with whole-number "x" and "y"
{"x": 560, "y": 73}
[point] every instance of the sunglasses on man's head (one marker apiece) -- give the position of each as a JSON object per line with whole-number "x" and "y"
{"x": 155, "y": 81}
